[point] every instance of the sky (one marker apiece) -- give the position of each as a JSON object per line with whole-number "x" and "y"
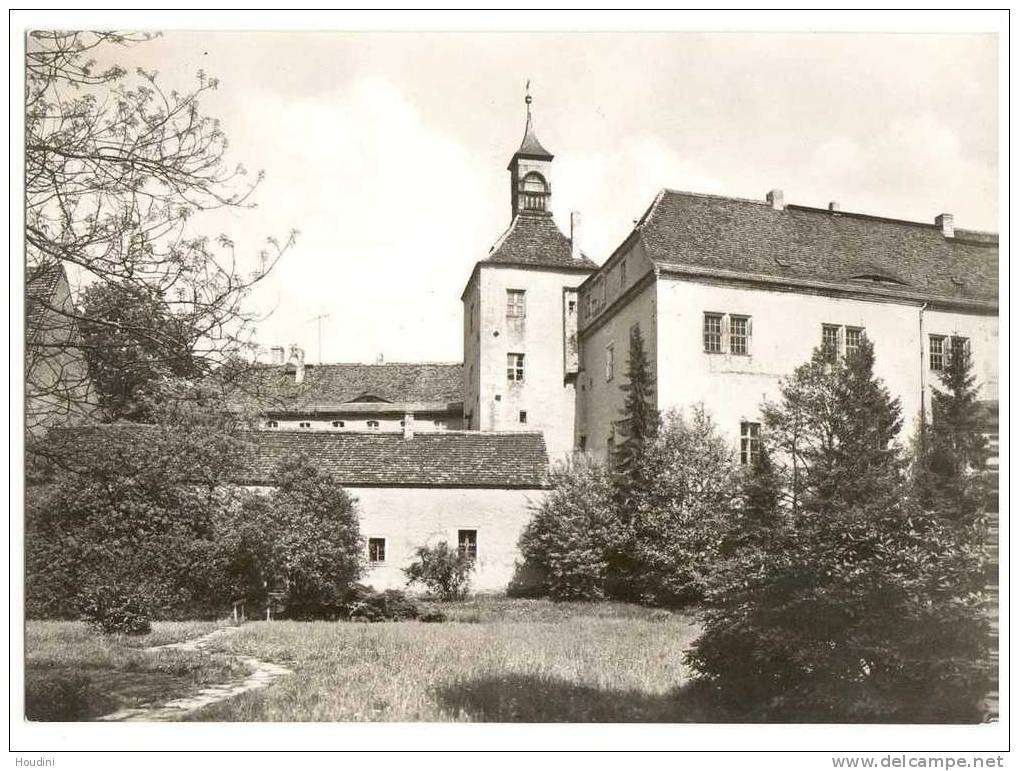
{"x": 388, "y": 151}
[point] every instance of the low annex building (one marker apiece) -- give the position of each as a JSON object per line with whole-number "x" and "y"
{"x": 468, "y": 488}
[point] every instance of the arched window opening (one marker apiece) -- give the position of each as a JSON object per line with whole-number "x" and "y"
{"x": 533, "y": 192}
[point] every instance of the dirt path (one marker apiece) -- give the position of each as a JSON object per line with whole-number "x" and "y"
{"x": 263, "y": 674}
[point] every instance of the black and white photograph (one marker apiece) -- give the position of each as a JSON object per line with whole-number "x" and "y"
{"x": 622, "y": 379}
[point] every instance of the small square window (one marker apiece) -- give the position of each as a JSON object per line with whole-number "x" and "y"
{"x": 523, "y": 416}
{"x": 441, "y": 424}
{"x": 749, "y": 443}
{"x": 272, "y": 424}
{"x": 338, "y": 424}
{"x": 373, "y": 424}
{"x": 515, "y": 367}
{"x": 376, "y": 550}
{"x": 515, "y": 304}
{"x": 304, "y": 425}
{"x": 712, "y": 332}
{"x": 467, "y": 542}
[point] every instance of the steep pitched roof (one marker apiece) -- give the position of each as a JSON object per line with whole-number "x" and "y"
{"x": 334, "y": 384}
{"x": 530, "y": 147}
{"x": 803, "y": 243}
{"x": 40, "y": 282}
{"x": 534, "y": 239}
{"x": 442, "y": 459}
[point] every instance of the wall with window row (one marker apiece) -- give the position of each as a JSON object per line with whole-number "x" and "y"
{"x": 391, "y": 423}
{"x": 783, "y": 330}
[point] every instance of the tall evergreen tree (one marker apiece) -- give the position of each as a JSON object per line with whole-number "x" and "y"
{"x": 953, "y": 451}
{"x": 639, "y": 424}
{"x": 862, "y": 606}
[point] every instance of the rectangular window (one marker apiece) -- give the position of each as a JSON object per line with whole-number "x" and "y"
{"x": 582, "y": 443}
{"x": 853, "y": 337}
{"x": 712, "y": 332}
{"x": 467, "y": 541}
{"x": 937, "y": 352}
{"x": 515, "y": 304}
{"x": 749, "y": 443}
{"x": 610, "y": 361}
{"x": 376, "y": 550}
{"x": 960, "y": 345}
{"x": 622, "y": 274}
{"x": 522, "y": 417}
{"x": 739, "y": 335}
{"x": 830, "y": 341}
{"x": 515, "y": 367}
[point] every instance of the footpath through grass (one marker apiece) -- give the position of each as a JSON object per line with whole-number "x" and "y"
{"x": 496, "y": 660}
{"x": 74, "y": 673}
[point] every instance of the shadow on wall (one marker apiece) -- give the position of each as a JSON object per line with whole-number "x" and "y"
{"x": 532, "y": 699}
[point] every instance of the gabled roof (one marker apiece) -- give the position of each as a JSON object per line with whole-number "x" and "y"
{"x": 689, "y": 230}
{"x": 440, "y": 459}
{"x": 336, "y": 384}
{"x": 534, "y": 239}
{"x": 40, "y": 283}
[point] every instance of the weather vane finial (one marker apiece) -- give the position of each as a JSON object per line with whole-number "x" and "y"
{"x": 527, "y": 94}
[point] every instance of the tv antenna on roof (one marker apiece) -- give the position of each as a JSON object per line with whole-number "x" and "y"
{"x": 319, "y": 318}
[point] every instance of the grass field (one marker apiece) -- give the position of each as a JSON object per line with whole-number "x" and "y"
{"x": 74, "y": 673}
{"x": 495, "y": 660}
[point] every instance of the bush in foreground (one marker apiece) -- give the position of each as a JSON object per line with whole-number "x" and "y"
{"x": 112, "y": 609}
{"x": 443, "y": 570}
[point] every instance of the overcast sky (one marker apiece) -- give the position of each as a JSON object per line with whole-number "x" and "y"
{"x": 388, "y": 152}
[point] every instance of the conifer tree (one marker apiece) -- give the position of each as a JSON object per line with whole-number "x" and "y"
{"x": 639, "y": 424}
{"x": 862, "y": 606}
{"x": 953, "y": 450}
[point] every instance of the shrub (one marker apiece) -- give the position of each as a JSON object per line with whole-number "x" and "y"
{"x": 366, "y": 604}
{"x": 568, "y": 543}
{"x": 444, "y": 571}
{"x": 55, "y": 696}
{"x": 113, "y": 610}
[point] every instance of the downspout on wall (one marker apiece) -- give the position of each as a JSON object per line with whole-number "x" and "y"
{"x": 923, "y": 385}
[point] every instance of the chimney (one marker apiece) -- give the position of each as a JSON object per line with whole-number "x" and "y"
{"x": 775, "y": 200}
{"x": 944, "y": 221}
{"x": 408, "y": 425}
{"x": 575, "y": 235}
{"x": 276, "y": 354}
{"x": 297, "y": 359}
{"x": 833, "y": 206}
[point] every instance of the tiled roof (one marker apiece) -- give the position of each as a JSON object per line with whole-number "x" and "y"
{"x": 534, "y": 239}
{"x": 40, "y": 282}
{"x": 440, "y": 459}
{"x": 333, "y": 384}
{"x": 702, "y": 231}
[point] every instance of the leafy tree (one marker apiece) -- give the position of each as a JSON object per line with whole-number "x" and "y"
{"x": 679, "y": 513}
{"x": 639, "y": 423}
{"x": 568, "y": 544}
{"x": 118, "y": 176}
{"x": 443, "y": 570}
{"x": 302, "y": 539}
{"x": 861, "y": 606}
{"x": 952, "y": 452}
{"x": 133, "y": 344}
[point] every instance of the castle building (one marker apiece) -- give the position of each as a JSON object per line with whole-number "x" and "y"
{"x": 730, "y": 295}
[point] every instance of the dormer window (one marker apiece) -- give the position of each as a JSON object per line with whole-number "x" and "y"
{"x": 533, "y": 192}
{"x": 373, "y": 425}
{"x": 272, "y": 424}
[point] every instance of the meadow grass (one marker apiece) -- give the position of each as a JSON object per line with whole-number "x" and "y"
{"x": 73, "y": 672}
{"x": 503, "y": 660}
